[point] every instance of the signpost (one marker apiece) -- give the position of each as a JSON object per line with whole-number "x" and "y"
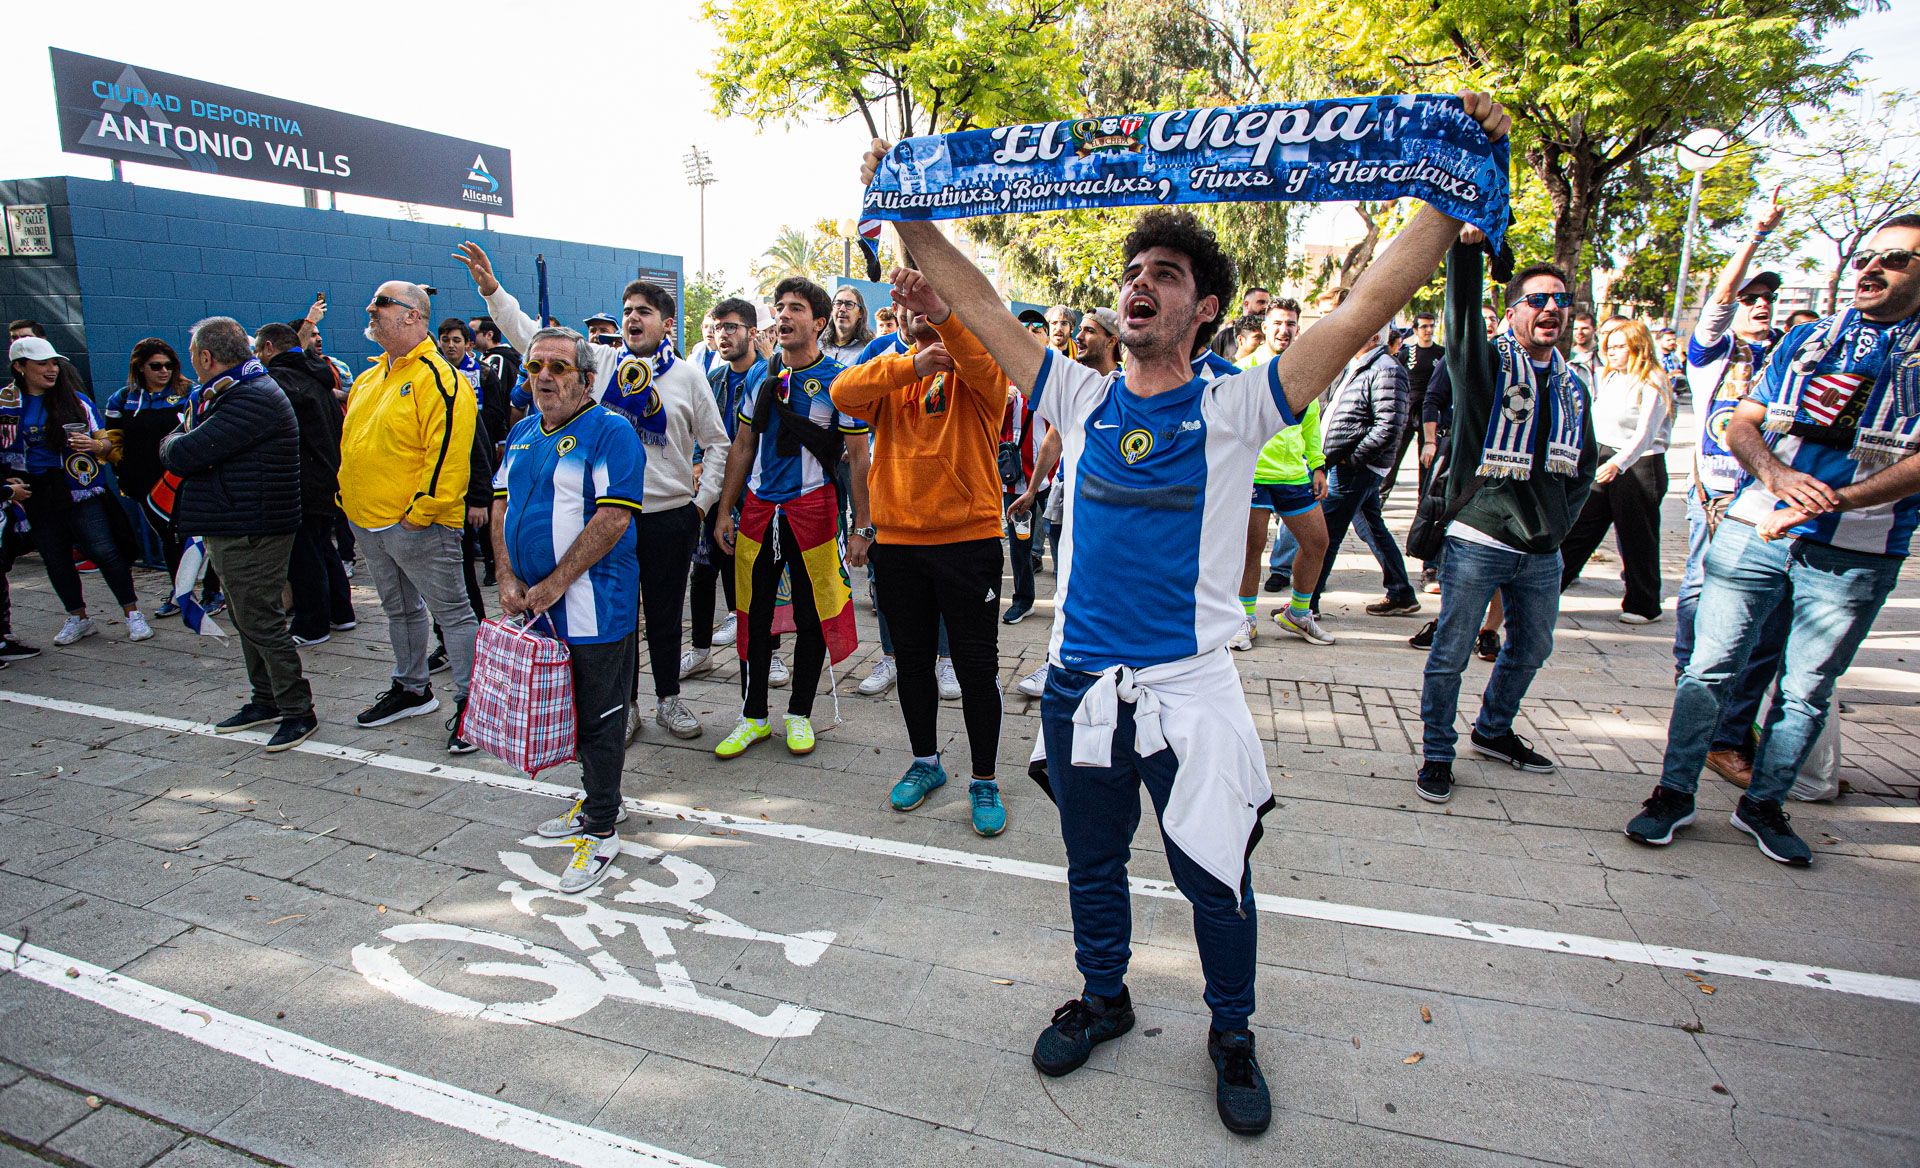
{"x": 113, "y": 110}
{"x": 1698, "y": 152}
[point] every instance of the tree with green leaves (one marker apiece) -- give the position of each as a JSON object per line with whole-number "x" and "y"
{"x": 1594, "y": 86}
{"x": 703, "y": 292}
{"x": 1642, "y": 222}
{"x": 796, "y": 251}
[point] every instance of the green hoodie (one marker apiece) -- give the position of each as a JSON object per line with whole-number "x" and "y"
{"x": 1292, "y": 455}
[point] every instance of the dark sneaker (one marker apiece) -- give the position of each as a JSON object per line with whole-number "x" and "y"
{"x": 14, "y": 649}
{"x": 1665, "y": 812}
{"x": 1388, "y": 606}
{"x": 1239, "y": 1089}
{"x": 1276, "y": 582}
{"x": 1770, "y": 826}
{"x": 1078, "y": 1027}
{"x": 1017, "y": 612}
{"x": 251, "y": 715}
{"x": 1486, "y": 646}
{"x": 1513, "y": 749}
{"x": 437, "y": 660}
{"x": 1424, "y": 638}
{"x": 397, "y": 703}
{"x": 455, "y": 743}
{"x": 292, "y": 732}
{"x": 1435, "y": 782}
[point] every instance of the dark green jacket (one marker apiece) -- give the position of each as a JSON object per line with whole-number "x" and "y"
{"x": 1532, "y": 514}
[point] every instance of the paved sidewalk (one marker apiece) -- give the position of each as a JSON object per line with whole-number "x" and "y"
{"x": 348, "y": 954}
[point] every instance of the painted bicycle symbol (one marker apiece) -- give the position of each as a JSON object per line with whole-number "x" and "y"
{"x": 578, "y": 984}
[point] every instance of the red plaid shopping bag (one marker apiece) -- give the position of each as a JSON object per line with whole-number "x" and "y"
{"x": 520, "y": 705}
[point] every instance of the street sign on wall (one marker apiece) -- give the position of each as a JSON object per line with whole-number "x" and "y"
{"x": 110, "y": 109}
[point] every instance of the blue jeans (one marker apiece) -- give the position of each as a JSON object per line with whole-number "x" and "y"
{"x": 1836, "y": 595}
{"x": 1470, "y": 573}
{"x": 1743, "y": 698}
{"x": 1353, "y": 500}
{"x": 1099, "y": 812}
{"x": 1690, "y": 580}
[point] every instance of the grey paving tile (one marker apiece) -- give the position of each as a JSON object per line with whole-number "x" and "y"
{"x": 128, "y": 872}
{"x": 377, "y": 877}
{"x": 93, "y": 928}
{"x": 904, "y": 1071}
{"x": 200, "y": 1154}
{"x": 34, "y": 1110}
{"x": 730, "y": 1119}
{"x": 1865, "y": 1094}
{"x": 114, "y": 1138}
{"x": 266, "y": 849}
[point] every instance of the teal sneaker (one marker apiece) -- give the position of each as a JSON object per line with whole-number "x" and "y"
{"x": 989, "y": 817}
{"x": 920, "y": 781}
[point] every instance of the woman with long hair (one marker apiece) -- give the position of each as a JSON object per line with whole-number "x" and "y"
{"x": 51, "y": 439}
{"x": 1632, "y": 415}
{"x": 138, "y": 414}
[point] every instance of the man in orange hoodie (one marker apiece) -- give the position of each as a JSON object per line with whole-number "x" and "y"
{"x": 935, "y": 491}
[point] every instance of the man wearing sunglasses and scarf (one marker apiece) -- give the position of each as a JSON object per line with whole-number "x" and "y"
{"x": 1830, "y": 436}
{"x": 671, "y": 408}
{"x": 1523, "y": 456}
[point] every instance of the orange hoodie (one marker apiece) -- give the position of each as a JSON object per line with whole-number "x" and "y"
{"x": 935, "y": 476}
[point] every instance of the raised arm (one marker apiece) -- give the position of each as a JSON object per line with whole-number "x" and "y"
{"x": 1310, "y": 364}
{"x": 966, "y": 290}
{"x": 515, "y": 325}
{"x": 1735, "y": 273}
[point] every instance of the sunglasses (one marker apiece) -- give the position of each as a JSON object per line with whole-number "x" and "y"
{"x": 160, "y": 366}
{"x": 1893, "y": 259}
{"x": 536, "y": 367}
{"x": 390, "y": 302}
{"x": 1539, "y": 300}
{"x": 1753, "y": 298}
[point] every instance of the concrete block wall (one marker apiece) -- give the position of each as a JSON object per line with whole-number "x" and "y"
{"x": 151, "y": 262}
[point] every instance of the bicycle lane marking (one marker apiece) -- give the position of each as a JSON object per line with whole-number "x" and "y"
{"x": 1869, "y": 985}
{"x": 292, "y": 1054}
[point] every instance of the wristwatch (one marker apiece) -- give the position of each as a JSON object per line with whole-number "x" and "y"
{"x": 867, "y": 533}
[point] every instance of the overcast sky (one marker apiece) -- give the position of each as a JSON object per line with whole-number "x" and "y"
{"x": 599, "y": 103}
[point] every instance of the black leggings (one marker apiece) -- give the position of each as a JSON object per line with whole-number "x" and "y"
{"x": 920, "y": 586}
{"x": 60, "y": 525}
{"x": 810, "y": 645}
{"x": 1630, "y": 505}
{"x": 664, "y": 545}
{"x": 715, "y": 567}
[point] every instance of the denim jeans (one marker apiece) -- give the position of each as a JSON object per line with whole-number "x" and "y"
{"x": 1836, "y": 596}
{"x": 1470, "y": 573}
{"x": 1353, "y": 500}
{"x": 1690, "y": 580}
{"x": 1743, "y": 699}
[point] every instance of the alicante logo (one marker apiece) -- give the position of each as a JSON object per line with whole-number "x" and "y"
{"x": 634, "y": 376}
{"x": 1108, "y": 135}
{"x": 1136, "y": 445}
{"x": 481, "y": 186}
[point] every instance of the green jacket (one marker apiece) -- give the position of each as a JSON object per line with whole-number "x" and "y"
{"x": 1292, "y": 455}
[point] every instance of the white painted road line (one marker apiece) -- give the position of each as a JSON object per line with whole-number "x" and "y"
{"x": 1868, "y": 985}
{"x": 316, "y": 1062}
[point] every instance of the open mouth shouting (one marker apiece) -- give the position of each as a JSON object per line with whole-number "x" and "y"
{"x": 1138, "y": 309}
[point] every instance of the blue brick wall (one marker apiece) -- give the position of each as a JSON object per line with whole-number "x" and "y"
{"x": 151, "y": 262}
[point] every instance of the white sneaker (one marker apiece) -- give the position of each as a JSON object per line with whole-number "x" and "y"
{"x": 137, "y": 627}
{"x": 943, "y": 674}
{"x": 346, "y": 568}
{"x": 881, "y": 679}
{"x": 75, "y": 628}
{"x": 1034, "y": 684}
{"x": 695, "y": 662}
{"x": 729, "y": 629}
{"x": 574, "y": 821}
{"x": 633, "y": 723}
{"x": 1634, "y": 618}
{"x": 673, "y": 716}
{"x": 1243, "y": 640}
{"x": 592, "y": 857}
{"x": 777, "y": 675}
{"x": 1307, "y": 628}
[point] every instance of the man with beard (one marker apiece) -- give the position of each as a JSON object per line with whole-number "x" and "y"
{"x": 322, "y": 599}
{"x": 1584, "y": 354}
{"x": 1060, "y": 330}
{"x": 668, "y": 403}
{"x": 1421, "y": 357}
{"x": 1141, "y": 688}
{"x": 1830, "y": 439}
{"x": 1254, "y": 302}
{"x": 1522, "y": 458}
{"x": 848, "y": 332}
{"x": 736, "y": 365}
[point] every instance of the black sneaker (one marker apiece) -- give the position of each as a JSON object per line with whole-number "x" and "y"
{"x": 14, "y": 649}
{"x": 292, "y": 732}
{"x": 1077, "y": 1027}
{"x": 1665, "y": 812}
{"x": 1511, "y": 748}
{"x": 1388, "y": 606}
{"x": 1239, "y": 1088}
{"x": 1770, "y": 826}
{"x": 1017, "y": 612}
{"x": 1486, "y": 646}
{"x": 251, "y": 715}
{"x": 490, "y": 578}
{"x": 397, "y": 703}
{"x": 1424, "y": 638}
{"x": 1278, "y": 582}
{"x": 455, "y": 743}
{"x": 437, "y": 660}
{"x": 1435, "y": 781}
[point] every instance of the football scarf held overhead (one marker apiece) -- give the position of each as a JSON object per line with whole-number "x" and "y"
{"x": 1423, "y": 146}
{"x": 1849, "y": 377}
{"x": 1511, "y": 428}
{"x": 815, "y": 522}
{"x": 635, "y": 392}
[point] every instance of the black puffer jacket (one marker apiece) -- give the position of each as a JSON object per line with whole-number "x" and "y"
{"x": 239, "y": 464}
{"x": 1362, "y": 427}
{"x": 308, "y": 382}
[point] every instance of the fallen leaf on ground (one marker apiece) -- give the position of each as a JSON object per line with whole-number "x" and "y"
{"x": 288, "y": 917}
{"x": 1415, "y": 1057}
{"x": 1002, "y": 981}
{"x": 165, "y": 864}
{"x": 1426, "y": 1015}
{"x": 73, "y": 971}
{"x": 380, "y": 908}
{"x": 93, "y": 1101}
{"x": 200, "y": 1014}
{"x": 253, "y": 898}
{"x": 1706, "y": 989}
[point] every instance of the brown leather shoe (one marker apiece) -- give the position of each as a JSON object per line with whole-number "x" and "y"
{"x": 1731, "y": 765}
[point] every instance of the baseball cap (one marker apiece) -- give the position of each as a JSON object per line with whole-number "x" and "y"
{"x": 1764, "y": 282}
{"x": 600, "y": 318}
{"x": 1033, "y": 316}
{"x": 31, "y": 349}
{"x": 1108, "y": 320}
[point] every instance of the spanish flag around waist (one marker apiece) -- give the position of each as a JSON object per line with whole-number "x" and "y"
{"x": 815, "y": 523}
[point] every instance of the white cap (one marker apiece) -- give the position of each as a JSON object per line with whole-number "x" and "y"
{"x": 31, "y": 349}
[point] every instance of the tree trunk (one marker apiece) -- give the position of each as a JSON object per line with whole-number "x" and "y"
{"x": 1572, "y": 179}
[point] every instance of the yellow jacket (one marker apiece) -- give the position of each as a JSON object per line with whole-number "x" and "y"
{"x": 406, "y": 446}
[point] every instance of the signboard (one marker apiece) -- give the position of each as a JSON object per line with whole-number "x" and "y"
{"x": 665, "y": 277}
{"x": 28, "y": 232}
{"x": 111, "y": 109}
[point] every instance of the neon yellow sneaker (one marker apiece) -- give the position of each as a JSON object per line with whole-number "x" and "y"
{"x": 748, "y": 732}
{"x": 799, "y": 734}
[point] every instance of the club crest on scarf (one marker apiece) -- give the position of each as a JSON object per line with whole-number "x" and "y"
{"x": 1512, "y": 430}
{"x": 636, "y": 392}
{"x": 1847, "y": 376}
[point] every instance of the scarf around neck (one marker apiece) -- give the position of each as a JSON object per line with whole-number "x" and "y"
{"x": 1511, "y": 430}
{"x": 1827, "y": 385}
{"x": 635, "y": 391}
